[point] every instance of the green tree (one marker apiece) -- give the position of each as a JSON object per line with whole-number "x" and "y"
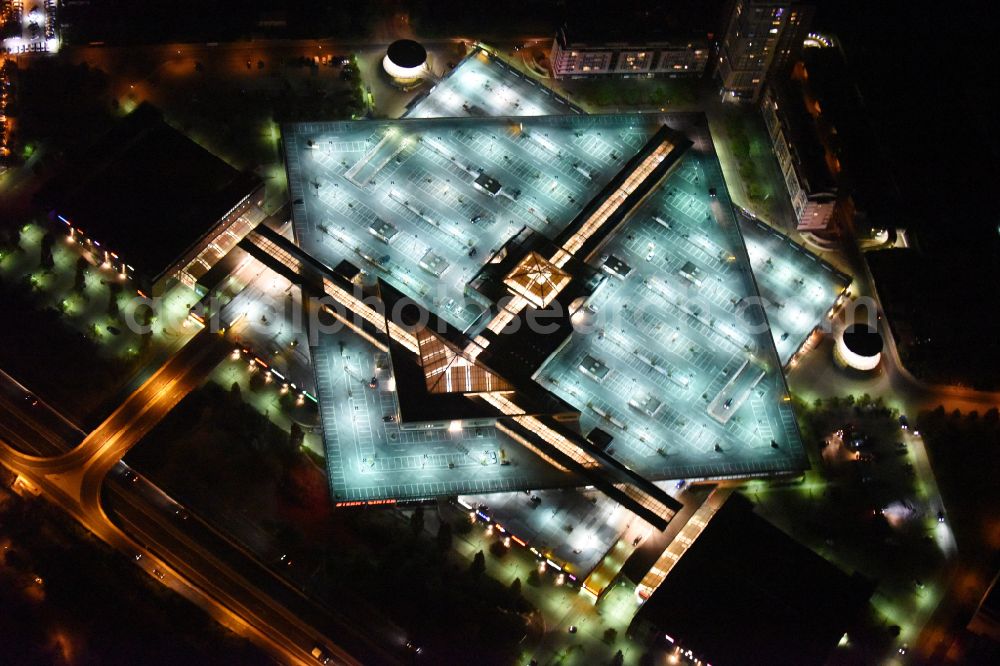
{"x": 296, "y": 436}
{"x": 417, "y": 521}
{"x": 534, "y": 579}
{"x": 114, "y": 289}
{"x": 146, "y": 321}
{"x": 515, "y": 588}
{"x": 80, "y": 279}
{"x": 478, "y": 566}
{"x": 48, "y": 241}
{"x": 444, "y": 537}
{"x": 610, "y": 634}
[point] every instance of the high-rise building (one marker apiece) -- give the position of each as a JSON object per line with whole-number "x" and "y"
{"x": 761, "y": 38}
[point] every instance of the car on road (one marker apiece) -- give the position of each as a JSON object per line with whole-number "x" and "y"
{"x": 904, "y": 423}
{"x": 388, "y": 418}
{"x": 320, "y": 655}
{"x": 181, "y": 513}
{"x": 159, "y": 574}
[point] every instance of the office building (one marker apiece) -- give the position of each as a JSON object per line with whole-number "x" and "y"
{"x": 636, "y": 40}
{"x": 732, "y": 588}
{"x": 762, "y": 38}
{"x": 574, "y": 56}
{"x": 153, "y": 204}
{"x": 810, "y": 184}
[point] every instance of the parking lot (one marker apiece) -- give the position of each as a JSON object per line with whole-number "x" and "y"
{"x": 31, "y": 27}
{"x": 577, "y": 527}
{"x": 267, "y": 317}
{"x": 671, "y": 371}
{"x": 482, "y": 85}
{"x": 798, "y": 287}
{"x": 424, "y": 203}
{"x": 370, "y": 458}
{"x": 669, "y": 365}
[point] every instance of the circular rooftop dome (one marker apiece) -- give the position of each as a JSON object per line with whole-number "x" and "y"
{"x": 863, "y": 340}
{"x": 859, "y": 347}
{"x": 406, "y": 54}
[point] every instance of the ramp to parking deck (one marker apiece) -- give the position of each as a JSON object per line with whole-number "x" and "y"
{"x": 728, "y": 401}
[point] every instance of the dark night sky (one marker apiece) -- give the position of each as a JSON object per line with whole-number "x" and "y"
{"x": 928, "y": 73}
{"x": 929, "y": 80}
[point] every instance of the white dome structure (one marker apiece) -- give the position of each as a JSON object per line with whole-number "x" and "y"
{"x": 405, "y": 61}
{"x": 859, "y": 347}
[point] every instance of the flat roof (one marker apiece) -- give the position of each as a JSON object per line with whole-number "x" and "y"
{"x": 488, "y": 183}
{"x": 420, "y": 174}
{"x": 638, "y": 23}
{"x": 744, "y": 587}
{"x": 702, "y": 348}
{"x": 798, "y": 287}
{"x": 482, "y": 84}
{"x": 617, "y": 266}
{"x": 803, "y": 140}
{"x": 407, "y": 53}
{"x": 146, "y": 191}
{"x": 862, "y": 340}
{"x": 416, "y": 180}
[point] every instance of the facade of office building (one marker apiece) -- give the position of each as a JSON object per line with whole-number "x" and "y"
{"x": 151, "y": 203}
{"x": 762, "y": 38}
{"x": 574, "y": 57}
{"x": 810, "y": 185}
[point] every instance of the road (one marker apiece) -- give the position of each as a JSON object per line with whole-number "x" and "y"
{"x": 197, "y": 561}
{"x": 818, "y": 376}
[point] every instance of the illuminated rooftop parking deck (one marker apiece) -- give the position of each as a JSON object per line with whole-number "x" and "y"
{"x": 400, "y": 199}
{"x": 482, "y": 85}
{"x": 369, "y": 457}
{"x": 798, "y": 288}
{"x": 676, "y": 329}
{"x": 382, "y": 194}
